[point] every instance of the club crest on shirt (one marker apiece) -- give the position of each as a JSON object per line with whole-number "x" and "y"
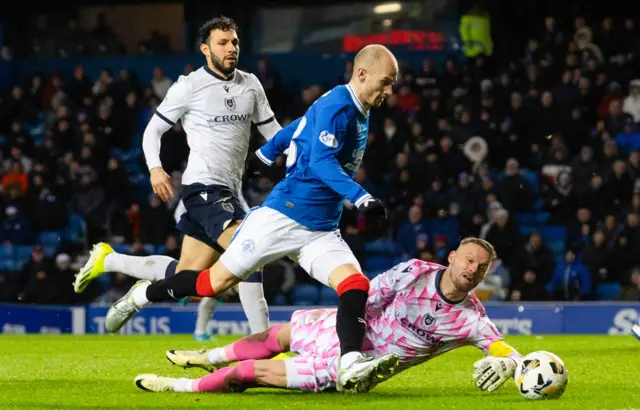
{"x": 428, "y": 320}
{"x": 230, "y": 103}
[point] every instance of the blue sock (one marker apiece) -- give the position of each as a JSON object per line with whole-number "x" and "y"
{"x": 255, "y": 277}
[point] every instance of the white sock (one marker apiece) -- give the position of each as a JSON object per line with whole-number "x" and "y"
{"x": 182, "y": 385}
{"x": 205, "y": 311}
{"x": 254, "y": 305}
{"x": 347, "y": 359}
{"x": 217, "y": 356}
{"x": 151, "y": 268}
{"x": 140, "y": 296}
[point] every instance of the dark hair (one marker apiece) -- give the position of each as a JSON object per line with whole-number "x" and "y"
{"x": 219, "y": 23}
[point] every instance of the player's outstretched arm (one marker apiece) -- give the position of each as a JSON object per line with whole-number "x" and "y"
{"x": 329, "y": 134}
{"x": 167, "y": 114}
{"x": 501, "y": 361}
{"x": 278, "y": 144}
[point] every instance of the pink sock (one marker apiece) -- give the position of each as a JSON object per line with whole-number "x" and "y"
{"x": 240, "y": 377}
{"x": 255, "y": 346}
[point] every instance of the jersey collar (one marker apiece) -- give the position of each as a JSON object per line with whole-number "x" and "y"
{"x": 442, "y": 296}
{"x": 213, "y": 73}
{"x": 356, "y": 101}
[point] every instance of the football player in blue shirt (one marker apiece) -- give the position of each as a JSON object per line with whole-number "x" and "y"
{"x": 299, "y": 219}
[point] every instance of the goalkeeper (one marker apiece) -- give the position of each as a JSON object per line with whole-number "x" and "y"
{"x": 417, "y": 311}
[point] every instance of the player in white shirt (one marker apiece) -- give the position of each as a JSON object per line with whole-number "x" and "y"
{"x": 216, "y": 104}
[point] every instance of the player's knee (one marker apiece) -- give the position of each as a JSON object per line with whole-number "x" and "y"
{"x": 355, "y": 281}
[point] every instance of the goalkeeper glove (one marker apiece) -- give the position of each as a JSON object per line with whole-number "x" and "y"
{"x": 491, "y": 372}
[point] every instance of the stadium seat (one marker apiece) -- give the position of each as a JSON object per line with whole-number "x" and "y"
{"x": 383, "y": 246}
{"x": 150, "y": 248}
{"x": 279, "y": 300}
{"x": 608, "y": 291}
{"x": 526, "y": 219}
{"x": 532, "y": 179}
{"x": 8, "y": 265}
{"x": 161, "y": 249}
{"x": 556, "y": 246}
{"x": 3, "y": 140}
{"x": 526, "y": 230}
{"x": 22, "y": 252}
{"x": 306, "y": 295}
{"x": 378, "y": 263}
{"x": 542, "y": 218}
{"x": 116, "y": 153}
{"x": 328, "y": 296}
{"x": 6, "y": 252}
{"x": 75, "y": 230}
{"x": 121, "y": 247}
{"x": 551, "y": 233}
{"x": 51, "y": 238}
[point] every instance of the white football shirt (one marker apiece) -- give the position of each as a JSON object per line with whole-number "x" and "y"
{"x": 216, "y": 114}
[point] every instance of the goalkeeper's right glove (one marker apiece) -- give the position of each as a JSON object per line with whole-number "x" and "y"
{"x": 491, "y": 372}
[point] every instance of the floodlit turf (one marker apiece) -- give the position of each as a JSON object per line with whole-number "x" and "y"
{"x": 98, "y": 371}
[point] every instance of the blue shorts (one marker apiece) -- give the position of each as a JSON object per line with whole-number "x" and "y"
{"x": 209, "y": 210}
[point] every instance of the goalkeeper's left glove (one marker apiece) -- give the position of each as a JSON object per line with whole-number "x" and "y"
{"x": 491, "y": 372}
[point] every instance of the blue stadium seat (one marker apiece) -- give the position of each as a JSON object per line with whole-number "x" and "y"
{"x": 551, "y": 233}
{"x": 556, "y": 246}
{"x": 532, "y": 179}
{"x": 116, "y": 153}
{"x": 378, "y": 263}
{"x": 8, "y": 265}
{"x": 75, "y": 230}
{"x": 22, "y": 252}
{"x": 526, "y": 230}
{"x": 51, "y": 238}
{"x": 526, "y": 219}
{"x": 161, "y": 249}
{"x": 306, "y": 295}
{"x": 279, "y": 300}
{"x": 328, "y": 296}
{"x": 608, "y": 291}
{"x": 6, "y": 252}
{"x": 150, "y": 248}
{"x": 542, "y": 218}
{"x": 3, "y": 140}
{"x": 49, "y": 251}
{"x": 121, "y": 247}
{"x": 383, "y": 246}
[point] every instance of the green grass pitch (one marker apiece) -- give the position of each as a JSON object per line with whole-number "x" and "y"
{"x": 55, "y": 372}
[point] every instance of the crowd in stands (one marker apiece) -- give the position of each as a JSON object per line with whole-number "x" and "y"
{"x": 540, "y": 157}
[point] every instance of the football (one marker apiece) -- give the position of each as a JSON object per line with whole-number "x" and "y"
{"x": 541, "y": 375}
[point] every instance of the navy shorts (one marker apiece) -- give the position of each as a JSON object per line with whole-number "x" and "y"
{"x": 210, "y": 209}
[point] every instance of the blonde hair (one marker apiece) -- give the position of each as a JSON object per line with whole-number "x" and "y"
{"x": 481, "y": 243}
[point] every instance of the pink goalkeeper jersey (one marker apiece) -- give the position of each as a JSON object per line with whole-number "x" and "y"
{"x": 408, "y": 315}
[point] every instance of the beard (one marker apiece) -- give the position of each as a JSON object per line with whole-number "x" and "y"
{"x": 224, "y": 66}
